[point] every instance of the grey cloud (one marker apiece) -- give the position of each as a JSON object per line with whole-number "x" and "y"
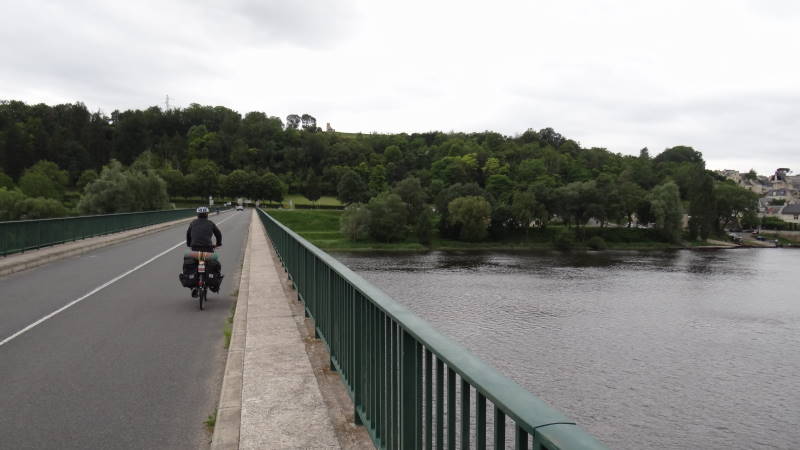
{"x": 308, "y": 24}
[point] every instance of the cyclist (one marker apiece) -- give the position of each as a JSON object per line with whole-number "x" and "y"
{"x": 198, "y": 237}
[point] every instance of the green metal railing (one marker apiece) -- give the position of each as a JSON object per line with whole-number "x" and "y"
{"x": 412, "y": 387}
{"x": 21, "y": 235}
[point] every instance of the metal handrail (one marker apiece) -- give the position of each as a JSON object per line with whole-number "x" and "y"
{"x": 22, "y": 235}
{"x": 386, "y": 356}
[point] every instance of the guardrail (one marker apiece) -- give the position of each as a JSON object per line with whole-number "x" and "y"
{"x": 395, "y": 364}
{"x": 21, "y": 235}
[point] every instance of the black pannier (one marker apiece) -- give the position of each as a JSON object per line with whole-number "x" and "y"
{"x": 214, "y": 271}
{"x": 189, "y": 276}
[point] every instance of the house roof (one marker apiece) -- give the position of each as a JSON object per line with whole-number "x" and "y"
{"x": 791, "y": 209}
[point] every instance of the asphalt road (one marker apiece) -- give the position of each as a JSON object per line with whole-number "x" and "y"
{"x": 136, "y": 365}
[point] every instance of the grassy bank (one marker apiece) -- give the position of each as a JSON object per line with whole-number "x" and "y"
{"x": 321, "y": 228}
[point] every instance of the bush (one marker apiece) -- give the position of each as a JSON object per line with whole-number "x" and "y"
{"x": 14, "y": 205}
{"x": 597, "y": 243}
{"x": 119, "y": 190}
{"x": 564, "y": 240}
{"x": 354, "y": 223}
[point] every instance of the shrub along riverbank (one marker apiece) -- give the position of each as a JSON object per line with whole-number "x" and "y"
{"x": 322, "y": 228}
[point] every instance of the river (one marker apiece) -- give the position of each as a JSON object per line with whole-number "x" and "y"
{"x": 645, "y": 350}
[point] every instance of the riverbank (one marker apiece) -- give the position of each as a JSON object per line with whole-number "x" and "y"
{"x": 321, "y": 228}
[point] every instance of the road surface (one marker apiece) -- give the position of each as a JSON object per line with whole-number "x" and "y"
{"x": 135, "y": 364}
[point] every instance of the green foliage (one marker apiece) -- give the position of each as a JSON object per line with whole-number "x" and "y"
{"x": 472, "y": 214}
{"x": 120, "y": 190}
{"x": 425, "y": 224}
{"x": 239, "y": 183}
{"x": 776, "y": 223}
{"x": 525, "y": 208}
{"x": 199, "y": 150}
{"x": 270, "y": 188}
{"x": 665, "y": 204}
{"x": 733, "y": 204}
{"x": 44, "y": 179}
{"x": 203, "y": 178}
{"x": 6, "y": 181}
{"x": 448, "y": 227}
{"x": 388, "y": 218}
{"x": 596, "y": 243}
{"x": 14, "y": 205}
{"x": 87, "y": 177}
{"x": 500, "y": 186}
{"x": 312, "y": 188}
{"x": 351, "y": 188}
{"x": 564, "y": 239}
{"x": 411, "y": 192}
{"x": 355, "y": 222}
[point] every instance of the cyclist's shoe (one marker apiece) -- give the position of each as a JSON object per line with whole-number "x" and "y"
{"x": 194, "y": 292}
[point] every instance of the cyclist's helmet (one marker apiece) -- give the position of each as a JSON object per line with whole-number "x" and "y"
{"x": 202, "y": 210}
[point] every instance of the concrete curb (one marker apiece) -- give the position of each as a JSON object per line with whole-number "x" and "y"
{"x": 24, "y": 261}
{"x": 229, "y": 410}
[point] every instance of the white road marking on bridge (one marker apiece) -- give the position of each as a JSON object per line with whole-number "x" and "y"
{"x": 95, "y": 290}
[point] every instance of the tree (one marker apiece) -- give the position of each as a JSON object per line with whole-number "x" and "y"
{"x": 424, "y": 224}
{"x": 351, "y": 188}
{"x": 667, "y": 211}
{"x": 44, "y": 179}
{"x": 6, "y": 181}
{"x": 204, "y": 180}
{"x": 500, "y": 186}
{"x": 579, "y": 201}
{"x": 240, "y": 183}
{"x": 733, "y": 204}
{"x": 447, "y": 227}
{"x": 377, "y": 180}
{"x": 355, "y": 221}
{"x": 176, "y": 182}
{"x": 388, "y": 218}
{"x": 87, "y": 177}
{"x": 472, "y": 214}
{"x": 630, "y": 195}
{"x": 292, "y": 121}
{"x": 312, "y": 188}
{"x": 14, "y": 205}
{"x": 524, "y": 209}
{"x": 411, "y": 192}
{"x": 309, "y": 122}
{"x": 119, "y": 190}
{"x": 271, "y": 188}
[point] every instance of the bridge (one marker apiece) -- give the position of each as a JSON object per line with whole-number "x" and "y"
{"x": 100, "y": 347}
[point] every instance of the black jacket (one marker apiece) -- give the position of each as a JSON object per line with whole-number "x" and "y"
{"x": 200, "y": 231}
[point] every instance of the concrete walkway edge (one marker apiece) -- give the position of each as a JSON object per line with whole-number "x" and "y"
{"x": 229, "y": 410}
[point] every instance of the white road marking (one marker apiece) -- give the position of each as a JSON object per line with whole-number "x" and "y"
{"x": 97, "y": 289}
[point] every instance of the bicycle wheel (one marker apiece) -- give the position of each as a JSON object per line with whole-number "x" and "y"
{"x": 201, "y": 296}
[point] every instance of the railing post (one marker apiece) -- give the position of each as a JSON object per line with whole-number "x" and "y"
{"x": 409, "y": 407}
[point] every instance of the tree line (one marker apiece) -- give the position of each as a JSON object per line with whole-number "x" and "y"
{"x": 468, "y": 186}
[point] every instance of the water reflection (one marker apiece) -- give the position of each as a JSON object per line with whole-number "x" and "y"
{"x": 633, "y": 345}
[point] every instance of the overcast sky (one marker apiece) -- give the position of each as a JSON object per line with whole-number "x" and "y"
{"x": 721, "y": 76}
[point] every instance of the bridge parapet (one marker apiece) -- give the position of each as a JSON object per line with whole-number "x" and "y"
{"x": 22, "y": 235}
{"x": 413, "y": 387}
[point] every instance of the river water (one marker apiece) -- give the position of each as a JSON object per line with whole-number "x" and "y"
{"x": 645, "y": 350}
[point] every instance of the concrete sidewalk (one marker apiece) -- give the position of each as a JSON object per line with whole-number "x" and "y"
{"x": 271, "y": 394}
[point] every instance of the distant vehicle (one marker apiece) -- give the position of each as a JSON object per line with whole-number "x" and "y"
{"x": 761, "y": 238}
{"x": 239, "y": 208}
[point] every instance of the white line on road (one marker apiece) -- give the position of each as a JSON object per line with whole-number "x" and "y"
{"x": 95, "y": 290}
